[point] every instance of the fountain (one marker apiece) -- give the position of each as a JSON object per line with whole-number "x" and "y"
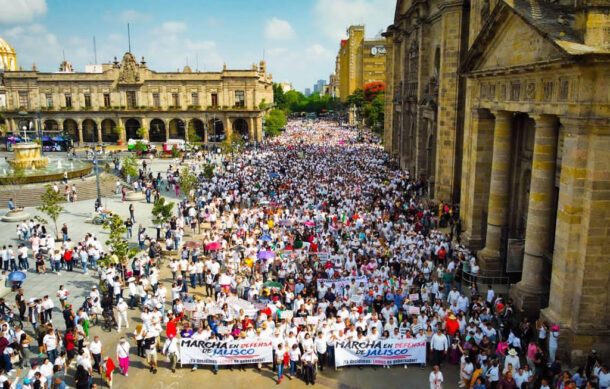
{"x": 34, "y": 168}
{"x": 28, "y": 167}
{"x": 27, "y": 156}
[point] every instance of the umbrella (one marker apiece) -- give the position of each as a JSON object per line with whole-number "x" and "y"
{"x": 240, "y": 248}
{"x": 17, "y": 276}
{"x": 273, "y": 285}
{"x": 266, "y": 238}
{"x": 273, "y": 175}
{"x": 298, "y": 244}
{"x": 265, "y": 255}
{"x": 192, "y": 245}
{"x": 213, "y": 246}
{"x": 309, "y": 223}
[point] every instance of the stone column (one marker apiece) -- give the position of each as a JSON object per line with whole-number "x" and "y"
{"x": 251, "y": 129}
{"x": 98, "y": 125}
{"x": 123, "y": 134}
{"x": 227, "y": 125}
{"x": 540, "y": 219}
{"x": 80, "y": 134}
{"x": 497, "y": 218}
{"x": 478, "y": 170}
{"x": 166, "y": 130}
{"x": 579, "y": 292}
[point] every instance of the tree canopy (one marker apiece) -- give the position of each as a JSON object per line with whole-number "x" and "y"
{"x": 274, "y": 121}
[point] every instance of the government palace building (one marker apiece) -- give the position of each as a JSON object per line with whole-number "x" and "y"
{"x": 118, "y": 101}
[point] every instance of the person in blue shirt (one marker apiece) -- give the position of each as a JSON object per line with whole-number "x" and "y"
{"x": 11, "y": 204}
{"x": 213, "y": 322}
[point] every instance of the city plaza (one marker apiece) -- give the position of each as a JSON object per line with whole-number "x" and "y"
{"x": 481, "y": 216}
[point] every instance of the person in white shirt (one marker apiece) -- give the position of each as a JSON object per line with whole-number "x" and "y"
{"x": 95, "y": 348}
{"x": 439, "y": 347}
{"x": 321, "y": 349}
{"x": 295, "y": 356}
{"x": 171, "y": 351}
{"x": 436, "y": 378}
{"x": 122, "y": 310}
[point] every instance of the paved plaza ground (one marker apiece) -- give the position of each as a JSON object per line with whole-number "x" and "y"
{"x": 79, "y": 285}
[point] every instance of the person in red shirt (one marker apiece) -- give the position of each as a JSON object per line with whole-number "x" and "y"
{"x": 70, "y": 341}
{"x": 171, "y": 329}
{"x": 452, "y": 325}
{"x": 68, "y": 259}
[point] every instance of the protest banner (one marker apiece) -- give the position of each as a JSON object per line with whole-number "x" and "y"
{"x": 413, "y": 310}
{"x": 340, "y": 283}
{"x": 414, "y": 297}
{"x": 299, "y": 321}
{"x": 234, "y": 352}
{"x": 323, "y": 256}
{"x": 380, "y": 352}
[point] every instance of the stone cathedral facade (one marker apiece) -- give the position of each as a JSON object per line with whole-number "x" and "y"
{"x": 504, "y": 105}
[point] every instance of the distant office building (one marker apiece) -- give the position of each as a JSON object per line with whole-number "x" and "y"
{"x": 319, "y": 86}
{"x": 360, "y": 61}
{"x": 307, "y": 91}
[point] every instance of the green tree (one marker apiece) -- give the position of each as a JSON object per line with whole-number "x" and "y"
{"x": 116, "y": 237}
{"x": 374, "y": 112}
{"x": 188, "y": 181}
{"x": 162, "y": 211}
{"x": 233, "y": 144}
{"x": 274, "y": 121}
{"x": 208, "y": 171}
{"x": 142, "y": 132}
{"x": 51, "y": 205}
{"x": 356, "y": 99}
{"x": 130, "y": 167}
{"x": 192, "y": 134}
{"x": 278, "y": 96}
{"x": 139, "y": 147}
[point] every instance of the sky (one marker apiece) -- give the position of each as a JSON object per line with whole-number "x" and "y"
{"x": 299, "y": 39}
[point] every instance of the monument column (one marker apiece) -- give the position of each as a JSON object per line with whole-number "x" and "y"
{"x": 497, "y": 218}
{"x": 540, "y": 219}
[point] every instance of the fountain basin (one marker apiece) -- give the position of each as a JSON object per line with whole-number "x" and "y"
{"x": 54, "y": 171}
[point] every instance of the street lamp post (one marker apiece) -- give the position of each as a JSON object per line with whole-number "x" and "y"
{"x": 39, "y": 131}
{"x": 98, "y": 202}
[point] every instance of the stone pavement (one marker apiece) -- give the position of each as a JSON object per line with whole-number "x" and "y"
{"x": 79, "y": 285}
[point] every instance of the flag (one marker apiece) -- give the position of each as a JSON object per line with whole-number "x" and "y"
{"x": 343, "y": 217}
{"x": 109, "y": 368}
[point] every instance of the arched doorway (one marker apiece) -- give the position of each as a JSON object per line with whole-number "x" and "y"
{"x": 50, "y": 125}
{"x": 131, "y": 129}
{"x": 156, "y": 133}
{"x": 217, "y": 131}
{"x": 89, "y": 131}
{"x": 108, "y": 134}
{"x": 197, "y": 126}
{"x": 71, "y": 129}
{"x": 240, "y": 126}
{"x": 176, "y": 129}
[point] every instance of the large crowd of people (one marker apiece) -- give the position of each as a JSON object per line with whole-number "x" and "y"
{"x": 252, "y": 253}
